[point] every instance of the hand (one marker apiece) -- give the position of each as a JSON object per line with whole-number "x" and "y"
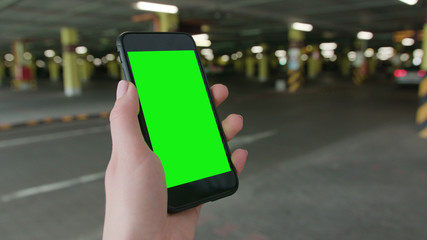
{"x": 136, "y": 193}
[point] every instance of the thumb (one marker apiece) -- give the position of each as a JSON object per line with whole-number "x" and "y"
{"x": 125, "y": 130}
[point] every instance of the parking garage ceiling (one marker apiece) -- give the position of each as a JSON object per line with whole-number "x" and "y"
{"x": 233, "y": 25}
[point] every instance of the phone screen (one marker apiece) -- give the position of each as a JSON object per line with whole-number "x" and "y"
{"x": 178, "y": 114}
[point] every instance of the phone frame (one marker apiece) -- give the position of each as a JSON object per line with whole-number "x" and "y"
{"x": 194, "y": 193}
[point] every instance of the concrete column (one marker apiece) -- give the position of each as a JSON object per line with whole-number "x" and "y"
{"x": 84, "y": 69}
{"x": 360, "y": 71}
{"x": 263, "y": 65}
{"x": 72, "y": 84}
{"x": 54, "y": 70}
{"x": 422, "y": 89}
{"x": 314, "y": 66}
{"x": 295, "y": 77}
{"x": 2, "y": 73}
{"x": 238, "y": 65}
{"x": 113, "y": 69}
{"x": 168, "y": 22}
{"x": 23, "y": 70}
{"x": 250, "y": 65}
{"x": 372, "y": 65}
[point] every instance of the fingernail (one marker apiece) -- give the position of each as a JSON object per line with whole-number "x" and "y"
{"x": 122, "y": 88}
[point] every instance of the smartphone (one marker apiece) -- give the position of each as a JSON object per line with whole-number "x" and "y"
{"x": 178, "y": 118}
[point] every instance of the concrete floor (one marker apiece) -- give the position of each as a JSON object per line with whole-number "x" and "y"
{"x": 332, "y": 161}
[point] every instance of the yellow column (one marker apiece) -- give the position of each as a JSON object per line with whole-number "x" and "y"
{"x": 23, "y": 72}
{"x": 113, "y": 69}
{"x": 54, "y": 70}
{"x": 168, "y": 22}
{"x": 84, "y": 69}
{"x": 238, "y": 65}
{"x": 344, "y": 63}
{"x": 422, "y": 92}
{"x": 2, "y": 73}
{"x": 295, "y": 77}
{"x": 69, "y": 40}
{"x": 263, "y": 65}
{"x": 250, "y": 65}
{"x": 360, "y": 65}
{"x": 314, "y": 66}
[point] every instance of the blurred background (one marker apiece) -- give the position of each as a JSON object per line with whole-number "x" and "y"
{"x": 333, "y": 95}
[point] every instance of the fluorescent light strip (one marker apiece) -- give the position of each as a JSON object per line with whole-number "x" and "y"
{"x": 409, "y": 2}
{"x": 302, "y": 26}
{"x": 156, "y": 7}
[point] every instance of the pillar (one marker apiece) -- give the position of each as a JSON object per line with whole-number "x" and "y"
{"x": 250, "y": 65}
{"x": 54, "y": 70}
{"x": 113, "y": 69}
{"x": 314, "y": 63}
{"x": 421, "y": 119}
{"x": 23, "y": 71}
{"x": 168, "y": 22}
{"x": 372, "y": 65}
{"x": 238, "y": 65}
{"x": 69, "y": 40}
{"x": 263, "y": 65}
{"x": 2, "y": 73}
{"x": 360, "y": 65}
{"x": 84, "y": 69}
{"x": 295, "y": 77}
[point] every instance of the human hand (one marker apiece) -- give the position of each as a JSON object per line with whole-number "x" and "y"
{"x": 136, "y": 193}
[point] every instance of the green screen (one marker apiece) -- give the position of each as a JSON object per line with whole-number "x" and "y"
{"x": 178, "y": 115}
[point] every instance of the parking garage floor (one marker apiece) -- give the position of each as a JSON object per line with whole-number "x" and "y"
{"x": 332, "y": 161}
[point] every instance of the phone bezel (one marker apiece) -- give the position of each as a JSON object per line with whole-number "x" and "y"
{"x": 194, "y": 193}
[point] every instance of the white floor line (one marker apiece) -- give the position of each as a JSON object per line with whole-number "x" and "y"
{"x": 28, "y": 192}
{"x": 52, "y": 136}
{"x": 247, "y": 139}
{"x": 24, "y": 193}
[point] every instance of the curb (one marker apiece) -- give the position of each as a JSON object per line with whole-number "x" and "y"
{"x": 44, "y": 121}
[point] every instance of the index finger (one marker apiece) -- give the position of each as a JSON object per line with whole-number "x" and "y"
{"x": 219, "y": 93}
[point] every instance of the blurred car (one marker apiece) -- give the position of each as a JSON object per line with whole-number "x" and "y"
{"x": 409, "y": 75}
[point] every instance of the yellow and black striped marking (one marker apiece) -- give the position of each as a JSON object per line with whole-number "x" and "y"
{"x": 422, "y": 109}
{"x": 66, "y": 118}
{"x": 294, "y": 80}
{"x": 358, "y": 76}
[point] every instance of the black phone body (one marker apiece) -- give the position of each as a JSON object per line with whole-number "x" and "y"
{"x": 177, "y": 117}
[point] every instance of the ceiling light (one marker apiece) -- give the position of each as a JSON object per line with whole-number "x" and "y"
{"x": 110, "y": 57}
{"x": 9, "y": 57}
{"x": 257, "y": 49}
{"x": 206, "y": 51}
{"x": 49, "y": 53}
{"x": 156, "y": 7}
{"x": 202, "y": 36}
{"x": 418, "y": 53}
{"x": 28, "y": 56}
{"x": 370, "y": 52}
{"x": 225, "y": 58}
{"x": 408, "y": 42}
{"x": 90, "y": 58}
{"x": 81, "y": 50}
{"x": 203, "y": 43}
{"x": 404, "y": 57}
{"x": 409, "y": 2}
{"x": 57, "y": 59}
{"x": 328, "y": 46}
{"x": 351, "y": 56}
{"x": 302, "y": 26}
{"x": 385, "y": 53}
{"x": 363, "y": 35}
{"x": 280, "y": 53}
{"x": 40, "y": 64}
